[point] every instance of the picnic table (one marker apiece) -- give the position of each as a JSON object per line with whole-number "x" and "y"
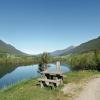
{"x": 53, "y": 79}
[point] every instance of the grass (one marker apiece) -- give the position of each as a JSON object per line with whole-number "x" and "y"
{"x": 79, "y": 76}
{"x": 28, "y": 90}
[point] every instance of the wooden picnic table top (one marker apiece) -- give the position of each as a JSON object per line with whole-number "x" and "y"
{"x": 52, "y": 73}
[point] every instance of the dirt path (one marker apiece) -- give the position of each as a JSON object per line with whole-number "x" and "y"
{"x": 91, "y": 91}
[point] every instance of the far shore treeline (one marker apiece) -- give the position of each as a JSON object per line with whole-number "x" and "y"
{"x": 25, "y": 59}
{"x": 83, "y": 61}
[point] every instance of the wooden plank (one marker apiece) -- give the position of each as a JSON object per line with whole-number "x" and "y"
{"x": 48, "y": 80}
{"x": 52, "y": 73}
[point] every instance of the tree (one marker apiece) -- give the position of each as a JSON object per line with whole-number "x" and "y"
{"x": 44, "y": 61}
{"x": 45, "y": 58}
{"x": 97, "y": 59}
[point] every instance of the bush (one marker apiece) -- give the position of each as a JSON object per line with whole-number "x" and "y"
{"x": 86, "y": 61}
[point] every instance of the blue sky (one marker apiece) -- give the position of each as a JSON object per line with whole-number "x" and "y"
{"x": 34, "y": 26}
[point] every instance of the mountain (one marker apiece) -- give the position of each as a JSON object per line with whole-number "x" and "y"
{"x": 91, "y": 45}
{"x": 7, "y": 48}
{"x": 61, "y": 52}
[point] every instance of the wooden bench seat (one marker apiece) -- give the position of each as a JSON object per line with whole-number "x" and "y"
{"x": 49, "y": 82}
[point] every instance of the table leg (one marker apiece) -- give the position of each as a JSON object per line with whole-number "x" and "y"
{"x": 41, "y": 84}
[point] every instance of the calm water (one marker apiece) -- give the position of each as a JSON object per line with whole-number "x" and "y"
{"x": 10, "y": 75}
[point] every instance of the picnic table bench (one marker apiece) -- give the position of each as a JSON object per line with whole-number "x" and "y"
{"x": 48, "y": 82}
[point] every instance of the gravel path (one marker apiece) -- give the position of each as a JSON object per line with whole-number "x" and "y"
{"x": 91, "y": 91}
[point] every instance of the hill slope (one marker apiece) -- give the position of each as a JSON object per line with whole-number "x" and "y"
{"x": 61, "y": 52}
{"x": 7, "y": 48}
{"x": 86, "y": 47}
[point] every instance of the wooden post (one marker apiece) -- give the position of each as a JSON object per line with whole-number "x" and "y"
{"x": 41, "y": 84}
{"x": 58, "y": 67}
{"x": 61, "y": 81}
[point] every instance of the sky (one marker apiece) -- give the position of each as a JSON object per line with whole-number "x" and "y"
{"x": 36, "y": 26}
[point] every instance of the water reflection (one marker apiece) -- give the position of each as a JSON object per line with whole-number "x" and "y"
{"x": 4, "y": 69}
{"x": 13, "y": 74}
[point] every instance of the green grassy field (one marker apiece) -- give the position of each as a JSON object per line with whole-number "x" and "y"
{"x": 27, "y": 90}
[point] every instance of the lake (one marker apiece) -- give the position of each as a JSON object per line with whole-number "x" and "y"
{"x": 10, "y": 75}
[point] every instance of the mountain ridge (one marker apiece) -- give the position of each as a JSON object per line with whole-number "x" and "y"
{"x": 91, "y": 45}
{"x": 8, "y": 48}
{"x": 60, "y": 52}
